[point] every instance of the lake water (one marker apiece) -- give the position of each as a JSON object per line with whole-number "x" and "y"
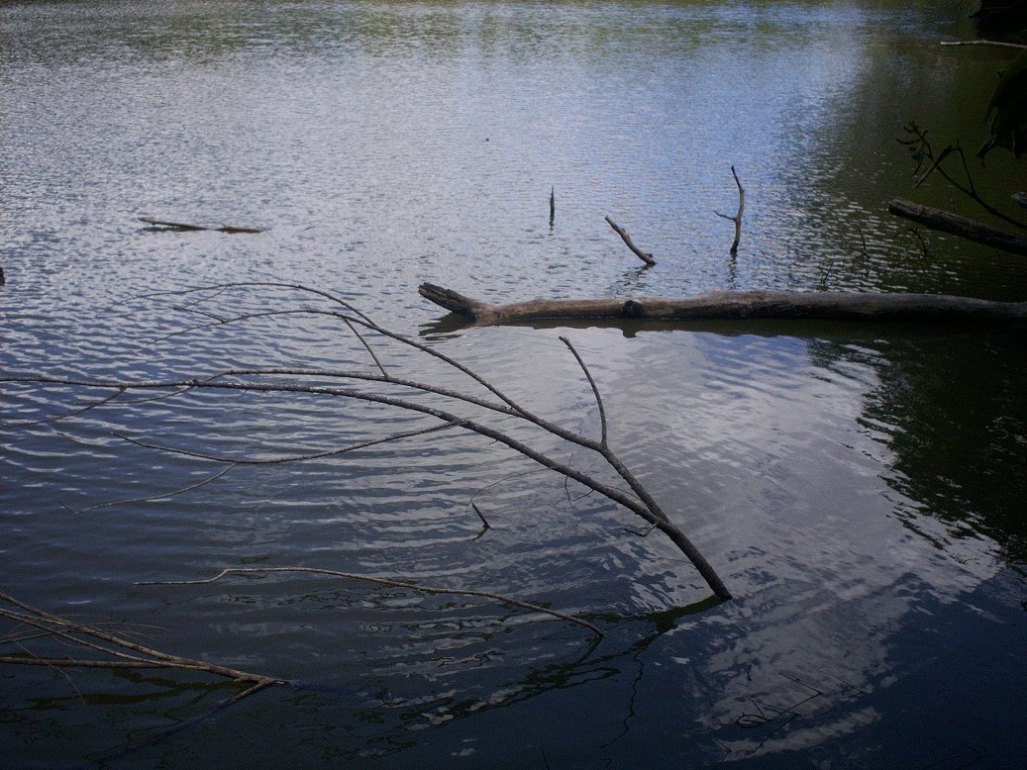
{"x": 859, "y": 488}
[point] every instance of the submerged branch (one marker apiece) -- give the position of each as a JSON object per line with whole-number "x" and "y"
{"x": 388, "y": 582}
{"x": 163, "y": 495}
{"x": 123, "y": 652}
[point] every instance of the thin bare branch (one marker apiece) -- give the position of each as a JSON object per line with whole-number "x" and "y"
{"x": 737, "y": 218}
{"x": 645, "y": 256}
{"x": 595, "y": 392}
{"x": 612, "y": 493}
{"x": 68, "y": 415}
{"x": 640, "y": 503}
{"x": 644, "y": 505}
{"x": 920, "y": 147}
{"x": 54, "y": 628}
{"x": 484, "y": 522}
{"x": 388, "y": 582}
{"x": 367, "y": 347}
{"x": 125, "y": 653}
{"x": 165, "y": 495}
{"x": 357, "y": 317}
{"x": 234, "y": 461}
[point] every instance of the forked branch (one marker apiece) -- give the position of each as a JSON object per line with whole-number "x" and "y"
{"x": 737, "y": 218}
{"x": 297, "y": 381}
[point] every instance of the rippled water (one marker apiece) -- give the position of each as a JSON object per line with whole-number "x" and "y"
{"x": 858, "y": 488}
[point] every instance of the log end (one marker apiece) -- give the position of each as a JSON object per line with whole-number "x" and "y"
{"x": 453, "y": 301}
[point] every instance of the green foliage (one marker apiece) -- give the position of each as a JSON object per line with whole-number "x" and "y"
{"x": 1008, "y": 111}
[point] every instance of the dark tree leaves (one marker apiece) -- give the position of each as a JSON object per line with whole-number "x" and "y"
{"x": 1008, "y": 111}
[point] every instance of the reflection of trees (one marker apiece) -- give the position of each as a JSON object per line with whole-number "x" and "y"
{"x": 952, "y": 407}
{"x": 839, "y": 161}
{"x": 620, "y": 655}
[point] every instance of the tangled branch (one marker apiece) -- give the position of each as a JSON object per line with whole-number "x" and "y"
{"x": 298, "y": 381}
{"x": 928, "y": 162}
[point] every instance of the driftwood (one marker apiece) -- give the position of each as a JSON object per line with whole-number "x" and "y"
{"x": 730, "y": 305}
{"x": 971, "y": 229}
{"x": 642, "y": 255}
{"x": 183, "y": 227}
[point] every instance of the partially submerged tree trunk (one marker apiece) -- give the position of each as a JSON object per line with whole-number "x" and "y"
{"x": 971, "y": 229}
{"x": 733, "y": 305}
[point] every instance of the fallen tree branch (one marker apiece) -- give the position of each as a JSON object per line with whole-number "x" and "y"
{"x": 642, "y": 508}
{"x": 922, "y": 152}
{"x": 955, "y": 224}
{"x": 642, "y": 255}
{"x": 737, "y": 218}
{"x": 737, "y": 305}
{"x": 295, "y": 381}
{"x": 120, "y": 652}
{"x": 387, "y": 582}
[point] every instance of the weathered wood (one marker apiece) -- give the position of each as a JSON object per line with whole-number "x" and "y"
{"x": 642, "y": 255}
{"x": 737, "y": 305}
{"x": 938, "y": 219}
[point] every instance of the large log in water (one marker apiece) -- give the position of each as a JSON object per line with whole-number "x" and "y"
{"x": 734, "y": 305}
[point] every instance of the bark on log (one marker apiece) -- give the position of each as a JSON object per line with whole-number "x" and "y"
{"x": 737, "y": 305}
{"x": 938, "y": 219}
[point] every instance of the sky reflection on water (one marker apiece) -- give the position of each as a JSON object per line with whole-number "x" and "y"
{"x": 858, "y": 488}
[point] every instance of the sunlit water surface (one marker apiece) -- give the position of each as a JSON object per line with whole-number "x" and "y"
{"x": 859, "y": 489}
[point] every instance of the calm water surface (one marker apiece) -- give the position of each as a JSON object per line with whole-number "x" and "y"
{"x": 860, "y": 489}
